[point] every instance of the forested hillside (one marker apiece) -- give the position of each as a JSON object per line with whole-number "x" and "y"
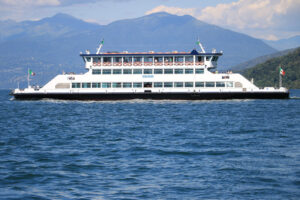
{"x": 259, "y": 60}
{"x": 267, "y": 73}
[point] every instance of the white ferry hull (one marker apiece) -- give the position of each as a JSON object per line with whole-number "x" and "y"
{"x": 154, "y": 96}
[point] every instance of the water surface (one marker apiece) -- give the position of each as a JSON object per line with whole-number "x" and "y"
{"x": 233, "y": 149}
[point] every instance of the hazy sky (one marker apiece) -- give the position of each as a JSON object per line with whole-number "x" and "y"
{"x": 268, "y": 19}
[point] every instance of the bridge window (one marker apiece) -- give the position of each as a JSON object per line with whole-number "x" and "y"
{"x": 137, "y": 59}
{"x": 179, "y": 59}
{"x": 96, "y": 85}
{"x": 199, "y": 59}
{"x": 107, "y": 59}
{"x": 158, "y": 59}
{"x": 117, "y": 59}
{"x": 127, "y": 59}
{"x": 168, "y": 59}
{"x": 106, "y": 85}
{"x": 189, "y": 59}
{"x": 208, "y": 58}
{"x": 215, "y": 58}
{"x": 96, "y": 59}
{"x": 148, "y": 60}
{"x": 178, "y": 84}
{"x": 88, "y": 59}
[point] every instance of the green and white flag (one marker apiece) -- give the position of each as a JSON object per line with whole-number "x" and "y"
{"x": 30, "y": 72}
{"x": 281, "y": 71}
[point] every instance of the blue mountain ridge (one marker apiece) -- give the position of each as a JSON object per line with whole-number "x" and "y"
{"x": 284, "y": 44}
{"x": 52, "y": 45}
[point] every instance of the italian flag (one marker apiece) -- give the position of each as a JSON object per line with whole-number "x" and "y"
{"x": 31, "y": 73}
{"x": 281, "y": 71}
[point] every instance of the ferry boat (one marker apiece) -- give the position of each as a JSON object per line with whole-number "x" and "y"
{"x": 150, "y": 75}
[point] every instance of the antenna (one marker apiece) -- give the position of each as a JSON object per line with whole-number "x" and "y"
{"x": 201, "y": 47}
{"x": 100, "y": 46}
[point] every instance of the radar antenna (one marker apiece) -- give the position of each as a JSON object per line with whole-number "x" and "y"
{"x": 100, "y": 46}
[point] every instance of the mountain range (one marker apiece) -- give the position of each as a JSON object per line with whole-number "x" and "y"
{"x": 52, "y": 45}
{"x": 284, "y": 44}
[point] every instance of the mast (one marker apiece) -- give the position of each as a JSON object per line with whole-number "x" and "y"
{"x": 100, "y": 46}
{"x": 201, "y": 47}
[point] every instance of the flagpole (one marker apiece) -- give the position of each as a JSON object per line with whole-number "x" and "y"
{"x": 100, "y": 46}
{"x": 28, "y": 78}
{"x": 280, "y": 77}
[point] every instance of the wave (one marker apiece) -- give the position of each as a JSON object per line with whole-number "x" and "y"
{"x": 295, "y": 97}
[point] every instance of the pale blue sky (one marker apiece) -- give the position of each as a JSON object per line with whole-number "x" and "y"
{"x": 268, "y": 19}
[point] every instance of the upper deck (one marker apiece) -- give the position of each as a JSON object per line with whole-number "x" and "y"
{"x": 152, "y": 53}
{"x": 151, "y": 58}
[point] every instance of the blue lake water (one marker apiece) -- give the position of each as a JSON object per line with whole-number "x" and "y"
{"x": 233, "y": 149}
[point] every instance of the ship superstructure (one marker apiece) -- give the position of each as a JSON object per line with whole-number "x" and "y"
{"x": 150, "y": 75}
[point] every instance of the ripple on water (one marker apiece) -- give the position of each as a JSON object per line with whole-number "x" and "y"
{"x": 145, "y": 149}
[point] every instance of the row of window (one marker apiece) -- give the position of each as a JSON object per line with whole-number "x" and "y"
{"x": 152, "y": 84}
{"x": 150, "y": 59}
{"x": 147, "y": 71}
{"x": 146, "y": 63}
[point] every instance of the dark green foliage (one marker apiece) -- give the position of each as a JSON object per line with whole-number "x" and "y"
{"x": 267, "y": 73}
